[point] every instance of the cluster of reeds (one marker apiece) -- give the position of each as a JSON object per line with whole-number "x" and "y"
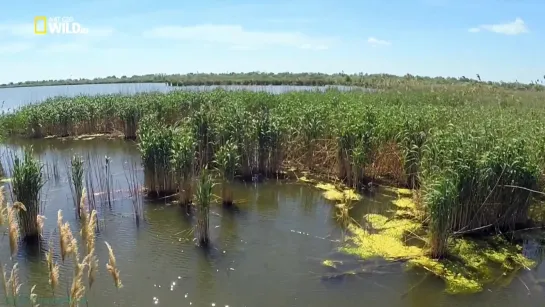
{"x": 227, "y": 160}
{"x": 183, "y": 162}
{"x": 156, "y": 147}
{"x": 27, "y": 183}
{"x": 203, "y": 198}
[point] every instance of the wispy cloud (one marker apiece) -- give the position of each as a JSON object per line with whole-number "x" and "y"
{"x": 15, "y": 47}
{"x": 20, "y": 29}
{"x": 235, "y": 35}
{"x": 510, "y": 28}
{"x": 377, "y": 42}
{"x": 65, "y": 47}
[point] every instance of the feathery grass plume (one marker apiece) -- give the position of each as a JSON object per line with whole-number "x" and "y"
{"x": 92, "y": 261}
{"x": 111, "y": 266}
{"x": 33, "y": 297}
{"x": 69, "y": 245}
{"x": 77, "y": 290}
{"x": 13, "y": 282}
{"x": 84, "y": 218}
{"x": 53, "y": 269}
{"x": 90, "y": 232}
{"x": 3, "y": 207}
{"x": 4, "y": 279}
{"x": 13, "y": 227}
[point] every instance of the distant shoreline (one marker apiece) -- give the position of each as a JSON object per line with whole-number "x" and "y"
{"x": 378, "y": 81}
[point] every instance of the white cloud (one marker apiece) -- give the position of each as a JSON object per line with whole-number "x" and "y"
{"x": 378, "y": 42}
{"x": 237, "y": 36}
{"x": 65, "y": 47}
{"x": 100, "y": 31}
{"x": 15, "y": 47}
{"x": 510, "y": 28}
{"x": 21, "y": 29}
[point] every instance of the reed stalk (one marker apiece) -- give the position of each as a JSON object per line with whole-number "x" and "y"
{"x": 112, "y": 269}
{"x": 76, "y": 180}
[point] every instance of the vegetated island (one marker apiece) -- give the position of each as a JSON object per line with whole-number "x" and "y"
{"x": 376, "y": 81}
{"x": 469, "y": 162}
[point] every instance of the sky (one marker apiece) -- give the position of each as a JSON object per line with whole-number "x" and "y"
{"x": 502, "y": 40}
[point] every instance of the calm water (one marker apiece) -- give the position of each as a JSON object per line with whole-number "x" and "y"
{"x": 266, "y": 253}
{"x": 14, "y": 97}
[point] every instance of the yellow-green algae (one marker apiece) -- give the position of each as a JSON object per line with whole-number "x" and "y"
{"x": 331, "y": 263}
{"x": 399, "y": 191}
{"x": 467, "y": 271}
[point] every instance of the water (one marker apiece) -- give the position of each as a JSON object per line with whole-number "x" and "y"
{"x": 266, "y": 253}
{"x": 14, "y": 97}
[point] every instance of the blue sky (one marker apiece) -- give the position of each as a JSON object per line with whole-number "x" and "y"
{"x": 499, "y": 39}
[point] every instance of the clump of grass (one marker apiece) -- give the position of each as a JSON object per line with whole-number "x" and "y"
{"x": 27, "y": 183}
{"x": 203, "y": 198}
{"x": 111, "y": 266}
{"x": 156, "y": 149}
{"x": 227, "y": 160}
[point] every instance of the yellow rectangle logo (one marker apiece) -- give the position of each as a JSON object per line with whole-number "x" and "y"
{"x": 37, "y": 21}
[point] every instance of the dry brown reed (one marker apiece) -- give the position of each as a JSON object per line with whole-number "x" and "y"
{"x": 13, "y": 226}
{"x": 53, "y": 269}
{"x": 111, "y": 266}
{"x": 69, "y": 245}
{"x": 13, "y": 283}
{"x": 34, "y": 297}
{"x": 92, "y": 260}
{"x": 77, "y": 290}
{"x": 4, "y": 278}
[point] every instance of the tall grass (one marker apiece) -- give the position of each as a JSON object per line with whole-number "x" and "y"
{"x": 203, "y": 198}
{"x": 27, "y": 183}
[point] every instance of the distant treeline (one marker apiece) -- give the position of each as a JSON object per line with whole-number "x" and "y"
{"x": 379, "y": 81}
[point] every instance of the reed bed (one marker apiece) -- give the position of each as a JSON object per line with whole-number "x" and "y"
{"x": 475, "y": 151}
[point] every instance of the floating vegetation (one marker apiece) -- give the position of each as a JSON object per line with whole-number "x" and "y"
{"x": 467, "y": 270}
